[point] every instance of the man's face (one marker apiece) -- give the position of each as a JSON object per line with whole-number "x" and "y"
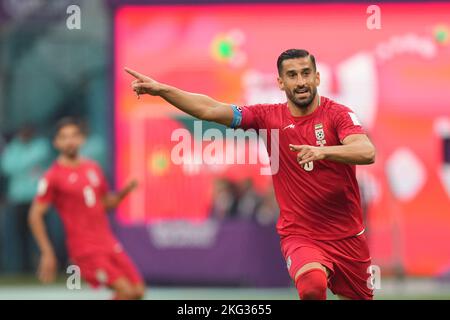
{"x": 299, "y": 80}
{"x": 69, "y": 140}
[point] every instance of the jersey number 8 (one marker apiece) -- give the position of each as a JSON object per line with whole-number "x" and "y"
{"x": 309, "y": 166}
{"x": 89, "y": 196}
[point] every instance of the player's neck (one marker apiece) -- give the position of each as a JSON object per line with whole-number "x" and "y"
{"x": 301, "y": 112}
{"x": 69, "y": 161}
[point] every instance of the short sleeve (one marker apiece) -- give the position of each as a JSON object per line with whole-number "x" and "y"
{"x": 252, "y": 117}
{"x": 347, "y": 123}
{"x": 46, "y": 189}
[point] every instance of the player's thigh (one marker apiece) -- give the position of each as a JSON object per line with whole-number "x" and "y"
{"x": 302, "y": 255}
{"x": 94, "y": 269}
{"x": 127, "y": 269}
{"x": 351, "y": 264}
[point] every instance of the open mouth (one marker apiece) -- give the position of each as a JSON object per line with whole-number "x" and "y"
{"x": 302, "y": 91}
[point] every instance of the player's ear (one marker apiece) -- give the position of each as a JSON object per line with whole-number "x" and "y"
{"x": 280, "y": 83}
{"x": 317, "y": 78}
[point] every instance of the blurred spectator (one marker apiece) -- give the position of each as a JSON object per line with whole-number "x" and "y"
{"x": 241, "y": 200}
{"x": 247, "y": 199}
{"x": 2, "y": 143}
{"x": 223, "y": 199}
{"x": 2, "y": 197}
{"x": 23, "y": 161}
{"x": 268, "y": 211}
{"x": 364, "y": 191}
{"x": 2, "y": 178}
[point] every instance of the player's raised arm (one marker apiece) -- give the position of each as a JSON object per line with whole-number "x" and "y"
{"x": 111, "y": 200}
{"x": 197, "y": 105}
{"x": 48, "y": 262}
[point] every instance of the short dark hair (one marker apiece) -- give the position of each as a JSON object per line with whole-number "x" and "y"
{"x": 68, "y": 121}
{"x": 293, "y": 54}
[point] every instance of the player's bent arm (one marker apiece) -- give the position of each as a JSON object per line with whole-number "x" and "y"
{"x": 112, "y": 199}
{"x": 37, "y": 224}
{"x": 48, "y": 261}
{"x": 355, "y": 149}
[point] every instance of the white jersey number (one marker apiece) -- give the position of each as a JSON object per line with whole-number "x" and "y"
{"x": 309, "y": 166}
{"x": 89, "y": 196}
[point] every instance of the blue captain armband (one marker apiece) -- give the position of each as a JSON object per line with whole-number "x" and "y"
{"x": 237, "y": 116}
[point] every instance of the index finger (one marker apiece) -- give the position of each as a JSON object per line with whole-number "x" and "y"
{"x": 295, "y": 147}
{"x": 135, "y": 74}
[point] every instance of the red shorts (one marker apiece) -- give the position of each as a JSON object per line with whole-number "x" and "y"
{"x": 105, "y": 269}
{"x": 347, "y": 260}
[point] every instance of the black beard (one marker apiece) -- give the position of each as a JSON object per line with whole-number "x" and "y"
{"x": 71, "y": 155}
{"x": 303, "y": 105}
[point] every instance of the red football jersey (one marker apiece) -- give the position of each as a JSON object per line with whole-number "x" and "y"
{"x": 76, "y": 192}
{"x": 320, "y": 200}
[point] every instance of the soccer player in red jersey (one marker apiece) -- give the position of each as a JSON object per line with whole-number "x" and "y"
{"x": 78, "y": 189}
{"x": 320, "y": 142}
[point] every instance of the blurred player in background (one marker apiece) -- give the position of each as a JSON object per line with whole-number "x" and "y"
{"x": 78, "y": 189}
{"x": 320, "y": 141}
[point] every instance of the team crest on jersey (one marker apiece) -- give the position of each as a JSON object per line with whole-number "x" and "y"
{"x": 73, "y": 177}
{"x": 93, "y": 178}
{"x": 320, "y": 134}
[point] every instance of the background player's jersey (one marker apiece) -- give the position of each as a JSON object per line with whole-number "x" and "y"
{"x": 76, "y": 192}
{"x": 320, "y": 200}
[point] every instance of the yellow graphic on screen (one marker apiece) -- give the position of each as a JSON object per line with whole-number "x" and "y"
{"x": 159, "y": 162}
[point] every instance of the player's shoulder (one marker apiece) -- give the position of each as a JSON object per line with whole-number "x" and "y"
{"x": 52, "y": 169}
{"x": 51, "y": 173}
{"x": 87, "y": 162}
{"x": 332, "y": 106}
